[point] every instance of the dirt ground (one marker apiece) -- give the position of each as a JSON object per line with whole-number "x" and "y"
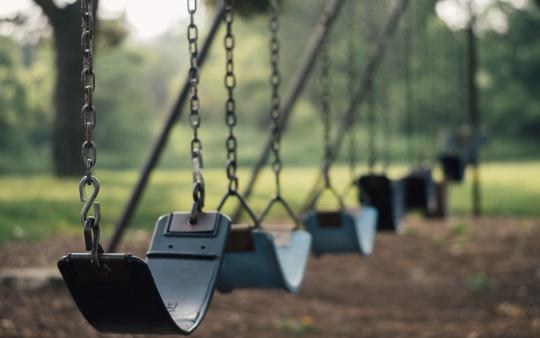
{"x": 458, "y": 278}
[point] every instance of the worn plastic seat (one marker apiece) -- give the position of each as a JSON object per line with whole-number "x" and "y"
{"x": 256, "y": 258}
{"x": 453, "y": 167}
{"x": 420, "y": 191}
{"x": 459, "y": 149}
{"x": 386, "y": 196}
{"x": 342, "y": 231}
{"x": 169, "y": 293}
{"x": 441, "y": 210}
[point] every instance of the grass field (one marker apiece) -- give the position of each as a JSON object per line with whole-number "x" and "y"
{"x": 35, "y": 207}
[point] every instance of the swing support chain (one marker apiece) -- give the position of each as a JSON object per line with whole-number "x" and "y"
{"x": 351, "y": 81}
{"x": 231, "y": 142}
{"x": 91, "y": 223}
{"x": 195, "y": 117}
{"x": 326, "y": 117}
{"x": 276, "y": 116}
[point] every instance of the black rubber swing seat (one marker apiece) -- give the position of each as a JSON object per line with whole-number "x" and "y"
{"x": 420, "y": 191}
{"x": 168, "y": 294}
{"x": 460, "y": 148}
{"x": 441, "y": 210}
{"x": 256, "y": 258}
{"x": 453, "y": 167}
{"x": 385, "y": 195}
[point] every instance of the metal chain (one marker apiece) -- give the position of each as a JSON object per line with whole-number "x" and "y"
{"x": 385, "y": 106}
{"x": 231, "y": 143}
{"x": 385, "y": 102}
{"x": 351, "y": 81}
{"x": 275, "y": 115}
{"x": 371, "y": 114}
{"x": 88, "y": 150}
{"x": 275, "y": 81}
{"x": 407, "y": 77}
{"x": 88, "y": 84}
{"x": 372, "y": 127}
{"x": 194, "y": 117}
{"x": 326, "y": 83}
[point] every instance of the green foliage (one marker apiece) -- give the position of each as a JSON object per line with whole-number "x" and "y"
{"x": 14, "y": 103}
{"x": 246, "y": 8}
{"x": 121, "y": 118}
{"x": 480, "y": 282}
{"x": 137, "y": 83}
{"x": 511, "y": 67}
{"x": 111, "y": 33}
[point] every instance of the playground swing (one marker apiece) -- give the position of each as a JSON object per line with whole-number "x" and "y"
{"x": 420, "y": 188}
{"x": 256, "y": 257}
{"x": 460, "y": 146}
{"x": 338, "y": 231}
{"x": 460, "y": 149}
{"x": 171, "y": 290}
{"x": 377, "y": 189}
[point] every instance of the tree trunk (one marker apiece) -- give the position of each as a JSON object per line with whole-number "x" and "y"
{"x": 67, "y": 133}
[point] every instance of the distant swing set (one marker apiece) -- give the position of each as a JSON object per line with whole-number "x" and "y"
{"x": 196, "y": 251}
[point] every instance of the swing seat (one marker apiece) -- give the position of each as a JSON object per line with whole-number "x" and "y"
{"x": 441, "y": 210}
{"x": 342, "y": 231}
{"x": 257, "y": 258}
{"x": 387, "y": 197}
{"x": 453, "y": 167}
{"x": 167, "y": 294}
{"x": 420, "y": 191}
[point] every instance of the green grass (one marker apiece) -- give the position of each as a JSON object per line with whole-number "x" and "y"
{"x": 34, "y": 207}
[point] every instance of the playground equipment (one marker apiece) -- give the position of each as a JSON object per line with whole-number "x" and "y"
{"x": 121, "y": 293}
{"x": 256, "y": 257}
{"x": 337, "y": 231}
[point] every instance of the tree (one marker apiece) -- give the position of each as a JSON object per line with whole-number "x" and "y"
{"x": 67, "y": 133}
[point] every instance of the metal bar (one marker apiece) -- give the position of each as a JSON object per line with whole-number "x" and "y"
{"x": 161, "y": 141}
{"x": 297, "y": 85}
{"x": 472, "y": 105}
{"x": 363, "y": 88}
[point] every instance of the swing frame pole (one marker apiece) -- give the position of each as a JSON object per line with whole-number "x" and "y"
{"x": 370, "y": 70}
{"x": 161, "y": 141}
{"x": 298, "y": 83}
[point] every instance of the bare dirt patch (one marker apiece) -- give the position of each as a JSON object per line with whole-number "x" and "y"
{"x": 458, "y": 278}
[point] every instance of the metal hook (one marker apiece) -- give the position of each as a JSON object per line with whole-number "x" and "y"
{"x": 89, "y": 202}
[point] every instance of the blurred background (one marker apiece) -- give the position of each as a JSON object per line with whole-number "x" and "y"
{"x": 141, "y": 63}
{"x": 144, "y": 56}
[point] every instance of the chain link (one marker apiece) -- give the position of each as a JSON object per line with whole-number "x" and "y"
{"x": 231, "y": 143}
{"x": 88, "y": 84}
{"x": 385, "y": 106}
{"x": 351, "y": 80}
{"x": 275, "y": 82}
{"x": 371, "y": 113}
{"x": 90, "y": 223}
{"x": 194, "y": 116}
{"x": 407, "y": 77}
{"x": 326, "y": 84}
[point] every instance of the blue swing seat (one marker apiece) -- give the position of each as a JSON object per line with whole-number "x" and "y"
{"x": 258, "y": 258}
{"x": 342, "y": 231}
